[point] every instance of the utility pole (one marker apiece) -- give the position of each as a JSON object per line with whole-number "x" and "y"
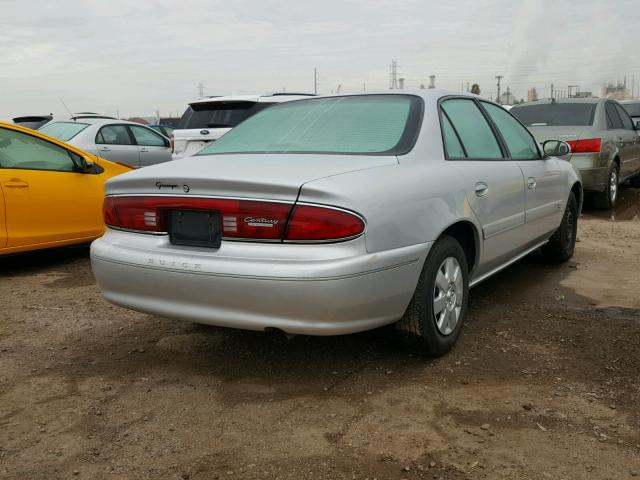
{"x": 315, "y": 80}
{"x": 200, "y": 90}
{"x": 552, "y": 90}
{"x": 499, "y": 77}
{"x": 393, "y": 75}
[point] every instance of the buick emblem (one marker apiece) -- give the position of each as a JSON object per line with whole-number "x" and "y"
{"x": 204, "y": 132}
{"x": 186, "y": 188}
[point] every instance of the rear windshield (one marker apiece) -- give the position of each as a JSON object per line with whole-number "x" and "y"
{"x": 64, "y": 131}
{"x": 363, "y": 124}
{"x": 555, "y": 114}
{"x": 632, "y": 109}
{"x": 219, "y": 114}
{"x": 31, "y": 122}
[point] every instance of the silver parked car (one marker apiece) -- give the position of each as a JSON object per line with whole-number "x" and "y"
{"x": 116, "y": 140}
{"x": 339, "y": 214}
{"x": 605, "y": 145}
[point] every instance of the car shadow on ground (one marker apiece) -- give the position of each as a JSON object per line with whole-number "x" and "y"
{"x": 29, "y": 263}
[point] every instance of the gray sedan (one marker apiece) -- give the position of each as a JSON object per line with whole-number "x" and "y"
{"x": 605, "y": 146}
{"x": 116, "y": 140}
{"x": 340, "y": 214}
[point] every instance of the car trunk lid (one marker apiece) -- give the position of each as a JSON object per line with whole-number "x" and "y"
{"x": 254, "y": 176}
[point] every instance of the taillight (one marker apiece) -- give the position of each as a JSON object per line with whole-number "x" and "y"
{"x": 240, "y": 219}
{"x": 313, "y": 223}
{"x": 173, "y": 144}
{"x": 589, "y": 145}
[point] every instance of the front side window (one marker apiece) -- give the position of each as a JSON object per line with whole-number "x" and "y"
{"x": 632, "y": 108}
{"x": 359, "y": 124}
{"x": 21, "y": 151}
{"x": 627, "y": 123}
{"x": 519, "y": 141}
{"x": 64, "y": 131}
{"x": 114, "y": 135}
{"x": 146, "y": 137}
{"x": 472, "y": 128}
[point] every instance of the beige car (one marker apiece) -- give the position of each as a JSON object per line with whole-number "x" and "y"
{"x": 605, "y": 145}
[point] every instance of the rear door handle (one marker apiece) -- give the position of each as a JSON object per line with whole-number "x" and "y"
{"x": 16, "y": 183}
{"x": 481, "y": 189}
{"x": 143, "y": 149}
{"x": 104, "y": 149}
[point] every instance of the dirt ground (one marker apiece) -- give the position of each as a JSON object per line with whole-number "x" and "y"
{"x": 544, "y": 383}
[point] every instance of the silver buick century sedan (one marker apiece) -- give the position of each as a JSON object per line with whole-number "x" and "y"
{"x": 338, "y": 214}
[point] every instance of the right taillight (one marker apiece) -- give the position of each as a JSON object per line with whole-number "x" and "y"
{"x": 239, "y": 219}
{"x": 172, "y": 143}
{"x": 588, "y": 145}
{"x": 316, "y": 224}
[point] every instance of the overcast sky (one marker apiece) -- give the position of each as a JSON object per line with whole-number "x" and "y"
{"x": 134, "y": 57}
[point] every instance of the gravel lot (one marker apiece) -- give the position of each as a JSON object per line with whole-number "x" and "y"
{"x": 544, "y": 382}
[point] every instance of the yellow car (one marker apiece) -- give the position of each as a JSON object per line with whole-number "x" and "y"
{"x": 50, "y": 193}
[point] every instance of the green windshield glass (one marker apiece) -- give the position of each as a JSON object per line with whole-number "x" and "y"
{"x": 64, "y": 131}
{"x": 365, "y": 124}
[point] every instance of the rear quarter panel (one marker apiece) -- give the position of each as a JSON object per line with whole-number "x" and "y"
{"x": 405, "y": 204}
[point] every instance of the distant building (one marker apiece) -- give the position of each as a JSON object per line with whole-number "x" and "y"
{"x": 532, "y": 95}
{"x": 507, "y": 98}
{"x": 617, "y": 91}
{"x": 583, "y": 95}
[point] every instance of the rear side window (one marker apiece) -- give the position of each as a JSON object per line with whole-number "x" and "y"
{"x": 64, "y": 131}
{"x": 627, "y": 123}
{"x": 21, "y": 151}
{"x": 519, "y": 141}
{"x": 452, "y": 142}
{"x": 555, "y": 114}
{"x": 359, "y": 124}
{"x": 114, "y": 135}
{"x": 146, "y": 137}
{"x": 614, "y": 122}
{"x": 472, "y": 128}
{"x": 219, "y": 114}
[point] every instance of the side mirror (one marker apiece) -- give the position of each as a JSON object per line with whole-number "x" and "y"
{"x": 556, "y": 148}
{"x": 638, "y": 125}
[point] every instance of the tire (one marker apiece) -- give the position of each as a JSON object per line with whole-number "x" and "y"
{"x": 424, "y": 329}
{"x": 562, "y": 243}
{"x": 635, "y": 181}
{"x": 609, "y": 197}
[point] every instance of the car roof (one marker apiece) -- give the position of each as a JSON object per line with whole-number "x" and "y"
{"x": 547, "y": 101}
{"x": 96, "y": 121}
{"x": 266, "y": 97}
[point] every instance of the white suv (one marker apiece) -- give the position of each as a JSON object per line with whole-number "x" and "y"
{"x": 207, "y": 119}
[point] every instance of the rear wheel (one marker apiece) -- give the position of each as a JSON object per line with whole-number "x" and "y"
{"x": 609, "y": 197}
{"x": 562, "y": 244}
{"x": 433, "y": 320}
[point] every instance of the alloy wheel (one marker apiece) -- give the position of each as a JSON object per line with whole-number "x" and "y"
{"x": 448, "y": 295}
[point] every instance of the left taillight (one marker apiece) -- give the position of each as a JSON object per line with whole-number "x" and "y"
{"x": 133, "y": 213}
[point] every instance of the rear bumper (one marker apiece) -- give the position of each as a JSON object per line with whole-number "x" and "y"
{"x": 300, "y": 289}
{"x": 593, "y": 170}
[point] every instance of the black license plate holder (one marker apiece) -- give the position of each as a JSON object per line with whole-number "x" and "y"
{"x": 195, "y": 228}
